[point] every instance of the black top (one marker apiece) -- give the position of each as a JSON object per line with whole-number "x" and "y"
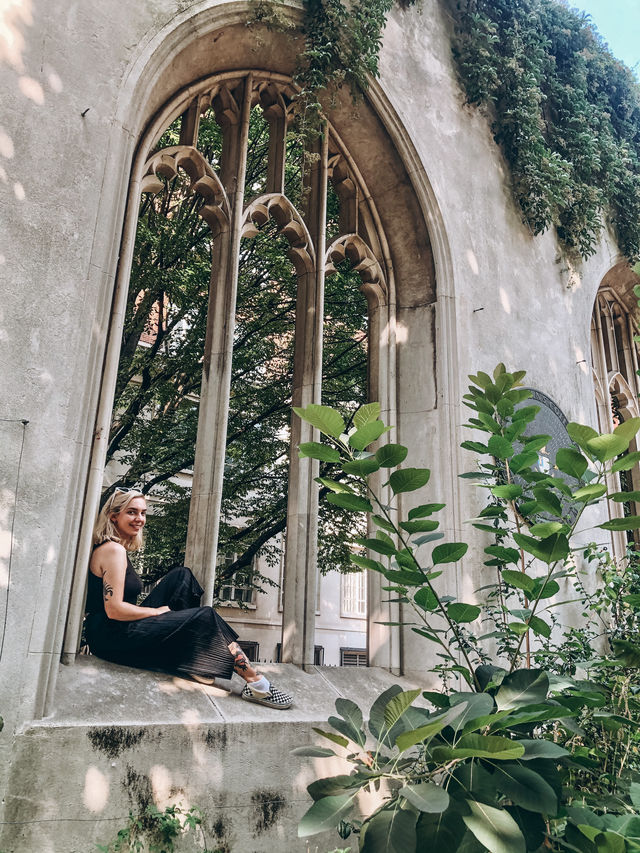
{"x": 95, "y": 595}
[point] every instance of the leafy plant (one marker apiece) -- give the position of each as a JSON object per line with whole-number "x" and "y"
{"x": 565, "y": 112}
{"x": 155, "y": 831}
{"x": 485, "y": 769}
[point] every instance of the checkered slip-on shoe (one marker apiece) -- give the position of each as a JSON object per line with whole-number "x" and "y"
{"x": 274, "y": 698}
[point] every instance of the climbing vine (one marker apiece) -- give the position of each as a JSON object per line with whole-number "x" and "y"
{"x": 565, "y": 112}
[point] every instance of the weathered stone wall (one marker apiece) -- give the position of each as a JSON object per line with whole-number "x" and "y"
{"x": 80, "y": 81}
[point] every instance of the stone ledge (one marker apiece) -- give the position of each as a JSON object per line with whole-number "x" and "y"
{"x": 121, "y": 738}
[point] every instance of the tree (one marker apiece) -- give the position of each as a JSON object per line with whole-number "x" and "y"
{"x": 152, "y": 438}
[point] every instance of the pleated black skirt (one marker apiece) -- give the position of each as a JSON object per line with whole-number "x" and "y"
{"x": 188, "y": 640}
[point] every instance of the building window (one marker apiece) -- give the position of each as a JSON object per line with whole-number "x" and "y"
{"x": 238, "y": 589}
{"x": 353, "y": 657}
{"x": 353, "y": 599}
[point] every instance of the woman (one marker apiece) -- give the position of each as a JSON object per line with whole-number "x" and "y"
{"x": 168, "y": 631}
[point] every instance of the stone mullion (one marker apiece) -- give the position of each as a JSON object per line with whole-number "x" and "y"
{"x": 300, "y": 570}
{"x": 208, "y": 471}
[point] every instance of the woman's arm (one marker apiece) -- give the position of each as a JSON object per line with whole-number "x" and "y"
{"x": 112, "y": 564}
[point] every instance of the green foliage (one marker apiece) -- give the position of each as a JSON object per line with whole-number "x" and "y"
{"x": 155, "y": 831}
{"x": 565, "y": 112}
{"x": 506, "y": 762}
{"x": 156, "y": 404}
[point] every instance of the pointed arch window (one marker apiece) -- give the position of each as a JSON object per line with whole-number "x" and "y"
{"x": 237, "y": 207}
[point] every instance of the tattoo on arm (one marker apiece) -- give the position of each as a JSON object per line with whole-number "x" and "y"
{"x": 107, "y": 590}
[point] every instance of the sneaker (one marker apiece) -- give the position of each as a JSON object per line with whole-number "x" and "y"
{"x": 274, "y": 698}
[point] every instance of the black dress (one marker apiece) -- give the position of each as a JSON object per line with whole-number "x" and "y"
{"x": 188, "y": 640}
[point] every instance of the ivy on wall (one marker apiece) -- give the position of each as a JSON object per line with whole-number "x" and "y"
{"x": 564, "y": 111}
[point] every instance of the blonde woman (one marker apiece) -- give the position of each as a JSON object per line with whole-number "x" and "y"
{"x": 168, "y": 631}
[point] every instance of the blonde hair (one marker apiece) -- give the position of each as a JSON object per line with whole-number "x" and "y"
{"x": 105, "y": 530}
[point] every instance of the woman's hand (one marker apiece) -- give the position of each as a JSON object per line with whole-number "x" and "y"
{"x": 160, "y": 610}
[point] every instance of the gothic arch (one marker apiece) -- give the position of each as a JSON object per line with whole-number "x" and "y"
{"x": 397, "y": 264}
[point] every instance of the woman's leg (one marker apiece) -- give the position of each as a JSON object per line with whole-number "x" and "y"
{"x": 242, "y": 664}
{"x": 258, "y": 688}
{"x": 178, "y": 590}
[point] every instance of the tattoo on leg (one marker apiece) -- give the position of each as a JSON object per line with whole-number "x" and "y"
{"x": 107, "y": 590}
{"x": 240, "y": 662}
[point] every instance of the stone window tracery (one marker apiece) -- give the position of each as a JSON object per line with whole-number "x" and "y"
{"x": 237, "y": 207}
{"x": 614, "y": 356}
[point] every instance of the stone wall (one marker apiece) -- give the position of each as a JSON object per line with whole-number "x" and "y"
{"x": 81, "y": 83}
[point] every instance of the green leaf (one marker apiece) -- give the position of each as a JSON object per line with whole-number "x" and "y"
{"x": 403, "y": 577}
{"x": 390, "y": 455}
{"x": 425, "y": 509}
{"x": 494, "y": 828}
{"x": 508, "y": 492}
{"x": 526, "y": 788}
{"x": 605, "y": 447}
{"x": 405, "y": 740}
{"x": 571, "y": 461}
{"x": 539, "y": 626}
{"x": 628, "y": 429}
{"x": 526, "y": 413}
{"x": 313, "y": 751}
{"x": 361, "y": 467}
{"x": 426, "y": 797}
{"x": 625, "y": 497}
{"x": 366, "y": 414}
{"x": 547, "y": 500}
{"x": 474, "y": 745}
{"x": 325, "y": 814}
{"x": 536, "y": 442}
{"x": 409, "y": 479}
{"x": 376, "y": 716}
{"x": 341, "y": 741}
{"x": 350, "y": 712}
{"x": 519, "y": 580}
{"x": 352, "y": 502}
{"x": 333, "y": 786}
{"x": 549, "y": 550}
{"x": 459, "y": 612}
{"x": 367, "y": 434}
{"x": 383, "y": 523}
{"x": 590, "y": 493}
{"x": 315, "y": 450}
{"x": 500, "y": 447}
{"x": 540, "y": 748}
{"x": 390, "y": 830}
{"x": 581, "y": 434}
{"x": 626, "y": 652}
{"x": 378, "y": 545}
{"x": 426, "y": 599}
{"x": 367, "y": 563}
{"x": 522, "y": 687}
{"x": 626, "y": 462}
{"x": 397, "y": 706}
{"x": 326, "y": 419}
{"x": 505, "y": 555}
{"x": 505, "y": 408}
{"x": 421, "y": 525}
{"x": 449, "y": 552}
{"x": 545, "y": 590}
{"x": 482, "y": 379}
{"x": 523, "y": 460}
{"x": 546, "y": 528}
{"x": 335, "y": 485}
{"x": 630, "y": 522}
{"x": 475, "y": 447}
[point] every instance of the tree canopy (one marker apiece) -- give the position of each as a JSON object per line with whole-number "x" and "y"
{"x": 152, "y": 440}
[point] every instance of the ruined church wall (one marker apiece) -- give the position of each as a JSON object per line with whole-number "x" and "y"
{"x": 79, "y": 82}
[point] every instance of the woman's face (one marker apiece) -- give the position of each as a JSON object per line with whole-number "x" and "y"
{"x": 130, "y": 520}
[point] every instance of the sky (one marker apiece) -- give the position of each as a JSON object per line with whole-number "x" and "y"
{"x": 618, "y": 22}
